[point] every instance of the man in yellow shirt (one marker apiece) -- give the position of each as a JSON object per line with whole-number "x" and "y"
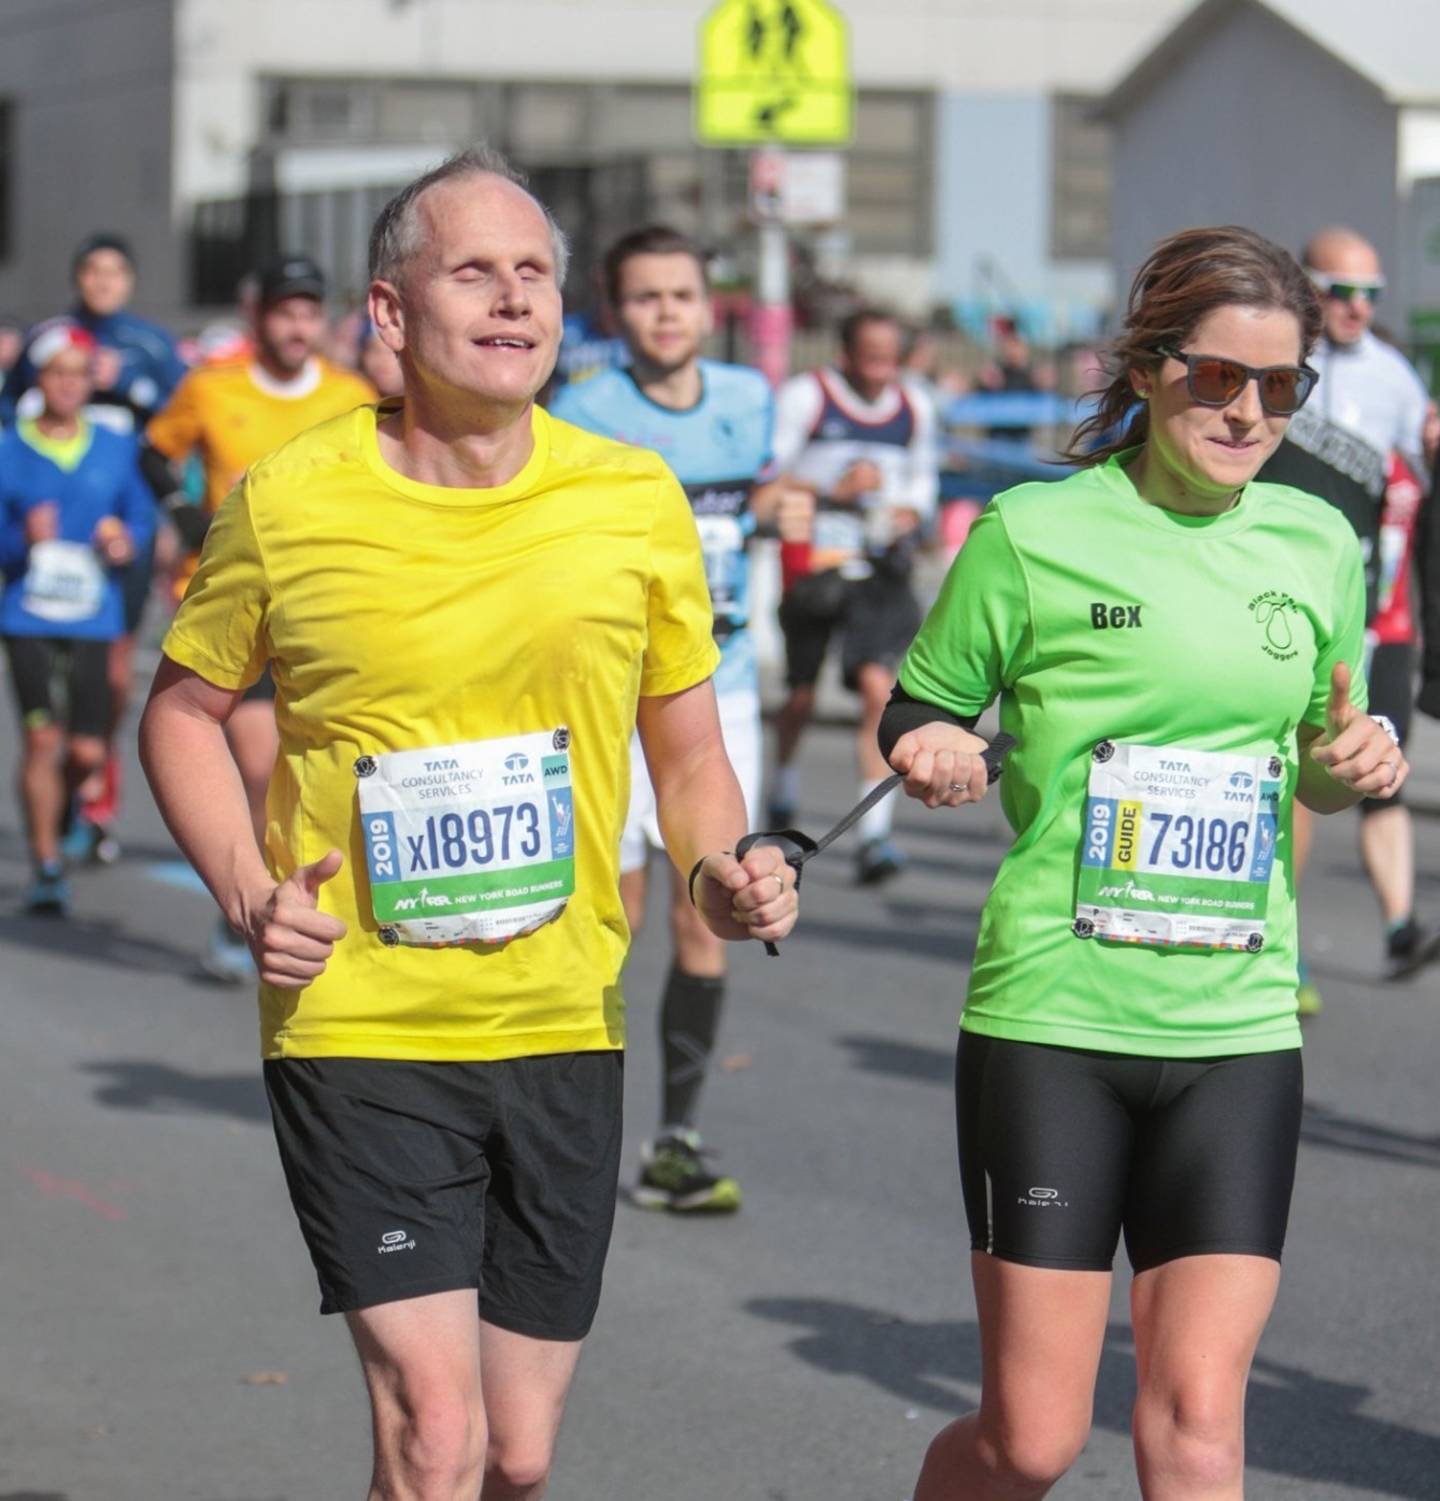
{"x": 232, "y": 414}
{"x": 467, "y": 606}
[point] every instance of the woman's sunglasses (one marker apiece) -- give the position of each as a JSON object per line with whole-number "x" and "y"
{"x": 1215, "y": 382}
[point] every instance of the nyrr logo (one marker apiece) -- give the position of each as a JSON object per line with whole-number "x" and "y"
{"x": 1272, "y": 610}
{"x": 517, "y": 769}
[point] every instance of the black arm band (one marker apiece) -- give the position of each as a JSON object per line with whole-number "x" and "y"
{"x": 904, "y": 713}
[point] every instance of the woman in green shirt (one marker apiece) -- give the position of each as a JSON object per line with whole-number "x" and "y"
{"x": 1177, "y": 650}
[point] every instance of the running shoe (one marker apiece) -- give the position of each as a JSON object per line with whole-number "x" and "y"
{"x": 673, "y": 1176}
{"x": 49, "y": 892}
{"x": 1408, "y": 949}
{"x": 89, "y": 843}
{"x": 227, "y": 956}
{"x": 877, "y": 861}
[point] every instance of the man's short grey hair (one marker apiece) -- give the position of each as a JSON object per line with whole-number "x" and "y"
{"x": 396, "y": 235}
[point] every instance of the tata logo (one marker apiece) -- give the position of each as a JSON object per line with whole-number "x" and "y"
{"x": 1241, "y": 779}
{"x": 1241, "y": 783}
{"x": 450, "y": 765}
{"x": 517, "y": 770}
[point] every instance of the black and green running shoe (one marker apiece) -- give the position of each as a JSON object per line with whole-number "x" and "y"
{"x": 673, "y": 1176}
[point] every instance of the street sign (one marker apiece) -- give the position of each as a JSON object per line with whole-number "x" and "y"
{"x": 774, "y": 72}
{"x": 797, "y": 188}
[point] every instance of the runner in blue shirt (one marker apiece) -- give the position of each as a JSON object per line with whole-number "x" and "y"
{"x": 136, "y": 367}
{"x": 74, "y": 510}
{"x": 711, "y": 423}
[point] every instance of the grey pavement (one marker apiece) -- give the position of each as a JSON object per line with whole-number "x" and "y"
{"x": 160, "y": 1334}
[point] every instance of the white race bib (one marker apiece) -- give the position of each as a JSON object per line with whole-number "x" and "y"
{"x": 470, "y": 843}
{"x": 64, "y": 582}
{"x": 1178, "y": 847}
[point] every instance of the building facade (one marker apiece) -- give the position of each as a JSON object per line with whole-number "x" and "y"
{"x": 978, "y": 177}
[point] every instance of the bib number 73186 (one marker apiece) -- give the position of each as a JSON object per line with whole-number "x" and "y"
{"x": 1179, "y": 846}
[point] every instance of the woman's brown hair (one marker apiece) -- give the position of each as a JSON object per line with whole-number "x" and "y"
{"x": 1186, "y": 277}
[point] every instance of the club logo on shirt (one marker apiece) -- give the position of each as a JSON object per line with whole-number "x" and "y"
{"x": 1272, "y": 610}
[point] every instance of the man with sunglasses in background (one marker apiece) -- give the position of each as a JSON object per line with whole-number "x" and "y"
{"x": 1368, "y": 405}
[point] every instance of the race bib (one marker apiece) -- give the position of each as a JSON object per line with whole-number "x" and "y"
{"x": 1179, "y": 847}
{"x": 722, "y": 543}
{"x": 471, "y": 843}
{"x": 64, "y": 582}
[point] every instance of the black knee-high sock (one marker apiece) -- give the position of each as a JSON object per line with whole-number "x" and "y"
{"x": 689, "y": 1019}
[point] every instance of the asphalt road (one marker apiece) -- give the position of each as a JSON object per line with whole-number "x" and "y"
{"x": 159, "y": 1339}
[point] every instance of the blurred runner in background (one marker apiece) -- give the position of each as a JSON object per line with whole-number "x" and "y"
{"x": 1369, "y": 405}
{"x": 712, "y": 424}
{"x": 74, "y": 511}
{"x": 863, "y": 442}
{"x": 136, "y": 367}
{"x": 232, "y": 414}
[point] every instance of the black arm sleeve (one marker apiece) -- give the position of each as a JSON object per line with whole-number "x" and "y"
{"x": 904, "y": 713}
{"x": 191, "y": 521}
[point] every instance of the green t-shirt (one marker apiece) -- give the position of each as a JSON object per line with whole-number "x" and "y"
{"x": 1094, "y": 615}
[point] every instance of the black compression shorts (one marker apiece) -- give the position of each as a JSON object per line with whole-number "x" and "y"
{"x": 1062, "y": 1149}
{"x": 876, "y": 619}
{"x": 80, "y": 669}
{"x": 1392, "y": 693}
{"x": 417, "y": 1178}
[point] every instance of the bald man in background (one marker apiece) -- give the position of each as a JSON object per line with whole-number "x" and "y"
{"x": 1368, "y": 405}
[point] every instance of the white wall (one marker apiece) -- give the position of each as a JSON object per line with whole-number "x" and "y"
{"x": 1002, "y": 46}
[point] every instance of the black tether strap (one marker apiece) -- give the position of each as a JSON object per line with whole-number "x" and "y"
{"x": 806, "y": 848}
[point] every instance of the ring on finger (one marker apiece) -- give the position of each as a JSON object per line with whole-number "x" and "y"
{"x": 957, "y": 787}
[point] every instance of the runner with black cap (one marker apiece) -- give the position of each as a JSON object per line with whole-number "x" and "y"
{"x": 232, "y": 415}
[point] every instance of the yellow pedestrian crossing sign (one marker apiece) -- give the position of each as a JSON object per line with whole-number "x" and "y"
{"x": 774, "y": 72}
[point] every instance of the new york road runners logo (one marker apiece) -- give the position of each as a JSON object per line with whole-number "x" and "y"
{"x": 1272, "y": 611}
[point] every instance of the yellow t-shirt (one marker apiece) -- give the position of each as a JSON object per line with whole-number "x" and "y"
{"x": 224, "y": 413}
{"x": 398, "y": 615}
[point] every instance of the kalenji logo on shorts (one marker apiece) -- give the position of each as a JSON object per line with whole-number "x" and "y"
{"x": 395, "y": 1240}
{"x": 1043, "y": 1198}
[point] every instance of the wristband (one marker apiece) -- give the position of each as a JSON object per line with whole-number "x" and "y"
{"x": 1388, "y": 725}
{"x": 690, "y": 884}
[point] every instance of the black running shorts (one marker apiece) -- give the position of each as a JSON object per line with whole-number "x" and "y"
{"x": 876, "y": 619}
{"x": 1062, "y": 1148}
{"x": 416, "y": 1178}
{"x": 80, "y": 669}
{"x": 262, "y": 690}
{"x": 1391, "y": 681}
{"x": 135, "y": 580}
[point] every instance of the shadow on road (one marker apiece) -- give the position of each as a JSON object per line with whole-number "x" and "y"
{"x": 102, "y": 941}
{"x": 956, "y": 941}
{"x": 163, "y": 1090}
{"x": 1297, "y": 1424}
{"x": 914, "y": 1061}
{"x": 1323, "y": 1127}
